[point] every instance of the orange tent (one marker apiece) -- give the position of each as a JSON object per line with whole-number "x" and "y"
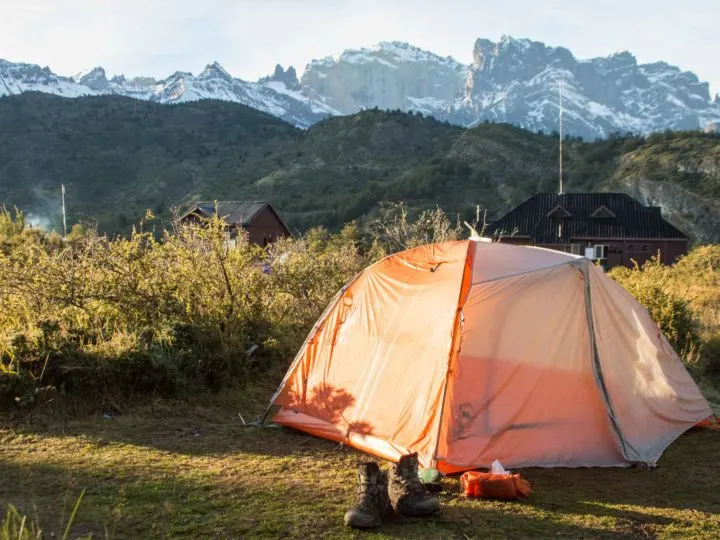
{"x": 469, "y": 351}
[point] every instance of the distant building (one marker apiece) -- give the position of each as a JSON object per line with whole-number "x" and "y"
{"x": 257, "y": 220}
{"x": 612, "y": 228}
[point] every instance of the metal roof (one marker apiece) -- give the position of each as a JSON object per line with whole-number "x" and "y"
{"x": 631, "y": 219}
{"x": 233, "y": 212}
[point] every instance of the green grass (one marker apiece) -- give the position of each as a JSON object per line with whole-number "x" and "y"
{"x": 180, "y": 470}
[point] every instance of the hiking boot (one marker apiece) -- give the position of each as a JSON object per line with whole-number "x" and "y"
{"x": 372, "y": 501}
{"x": 408, "y": 494}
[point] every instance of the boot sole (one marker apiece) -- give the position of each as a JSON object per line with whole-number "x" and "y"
{"x": 373, "y": 525}
{"x": 416, "y": 513}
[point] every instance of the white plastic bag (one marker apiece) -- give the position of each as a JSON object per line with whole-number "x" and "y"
{"x": 497, "y": 468}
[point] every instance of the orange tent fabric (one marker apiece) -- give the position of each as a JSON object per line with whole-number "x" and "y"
{"x": 469, "y": 351}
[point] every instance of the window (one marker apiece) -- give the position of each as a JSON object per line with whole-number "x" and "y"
{"x": 646, "y": 247}
{"x": 576, "y": 249}
{"x": 631, "y": 247}
{"x": 230, "y": 239}
{"x": 600, "y": 252}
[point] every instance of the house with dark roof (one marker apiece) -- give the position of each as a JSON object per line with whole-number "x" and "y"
{"x": 257, "y": 220}
{"x": 612, "y": 228}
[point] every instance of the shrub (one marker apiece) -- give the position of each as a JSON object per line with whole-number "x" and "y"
{"x": 392, "y": 230}
{"x": 11, "y": 225}
{"x": 110, "y": 319}
{"x": 684, "y": 300}
{"x": 649, "y": 285}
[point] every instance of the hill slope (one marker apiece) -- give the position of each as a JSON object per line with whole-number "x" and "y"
{"x": 118, "y": 156}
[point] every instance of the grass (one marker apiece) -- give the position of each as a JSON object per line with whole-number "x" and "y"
{"x": 193, "y": 470}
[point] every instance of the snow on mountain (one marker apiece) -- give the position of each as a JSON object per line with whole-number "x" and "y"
{"x": 518, "y": 81}
{"x": 19, "y": 78}
{"x": 213, "y": 82}
{"x": 390, "y": 75}
{"x": 512, "y": 80}
{"x": 271, "y": 96}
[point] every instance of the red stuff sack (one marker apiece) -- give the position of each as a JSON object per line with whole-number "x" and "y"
{"x": 505, "y": 487}
{"x": 711, "y": 422}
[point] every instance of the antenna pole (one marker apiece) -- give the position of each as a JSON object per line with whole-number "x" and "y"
{"x": 561, "y": 135}
{"x": 62, "y": 189}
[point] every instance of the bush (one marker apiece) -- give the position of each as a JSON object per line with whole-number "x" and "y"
{"x": 110, "y": 319}
{"x": 11, "y": 225}
{"x": 671, "y": 312}
{"x": 684, "y": 300}
{"x": 165, "y": 314}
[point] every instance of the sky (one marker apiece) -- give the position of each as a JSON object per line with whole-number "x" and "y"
{"x": 248, "y": 37}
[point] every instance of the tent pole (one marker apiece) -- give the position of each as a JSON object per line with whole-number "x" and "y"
{"x": 626, "y": 448}
{"x": 314, "y": 330}
{"x": 455, "y": 338}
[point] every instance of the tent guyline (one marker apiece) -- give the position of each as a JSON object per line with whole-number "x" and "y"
{"x": 466, "y": 352}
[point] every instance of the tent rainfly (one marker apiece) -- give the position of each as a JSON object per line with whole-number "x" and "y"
{"x": 466, "y": 352}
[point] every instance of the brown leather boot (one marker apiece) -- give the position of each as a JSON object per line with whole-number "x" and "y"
{"x": 372, "y": 501}
{"x": 408, "y": 494}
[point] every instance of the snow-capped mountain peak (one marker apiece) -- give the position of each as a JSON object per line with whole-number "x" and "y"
{"x": 288, "y": 78}
{"x": 94, "y": 78}
{"x": 16, "y": 78}
{"x": 78, "y": 76}
{"x": 388, "y": 53}
{"x": 511, "y": 80}
{"x": 521, "y": 43}
{"x": 405, "y": 52}
{"x": 214, "y": 70}
{"x": 403, "y": 76}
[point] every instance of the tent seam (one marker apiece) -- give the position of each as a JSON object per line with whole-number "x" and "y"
{"x": 626, "y": 447}
{"x": 311, "y": 334}
{"x": 574, "y": 262}
{"x": 452, "y": 352}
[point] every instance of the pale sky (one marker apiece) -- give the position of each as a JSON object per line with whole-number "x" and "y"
{"x": 248, "y": 37}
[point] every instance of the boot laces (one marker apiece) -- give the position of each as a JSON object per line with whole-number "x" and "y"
{"x": 366, "y": 490}
{"x": 408, "y": 478}
{"x": 413, "y": 485}
{"x": 368, "y": 486}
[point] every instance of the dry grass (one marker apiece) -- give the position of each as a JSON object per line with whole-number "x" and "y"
{"x": 181, "y": 470}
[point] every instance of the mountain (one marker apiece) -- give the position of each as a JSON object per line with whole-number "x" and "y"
{"x": 19, "y": 78}
{"x": 391, "y": 75}
{"x": 519, "y": 81}
{"x": 272, "y": 96}
{"x": 119, "y": 156}
{"x": 515, "y": 81}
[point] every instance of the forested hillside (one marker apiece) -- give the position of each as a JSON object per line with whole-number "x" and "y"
{"x": 118, "y": 157}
